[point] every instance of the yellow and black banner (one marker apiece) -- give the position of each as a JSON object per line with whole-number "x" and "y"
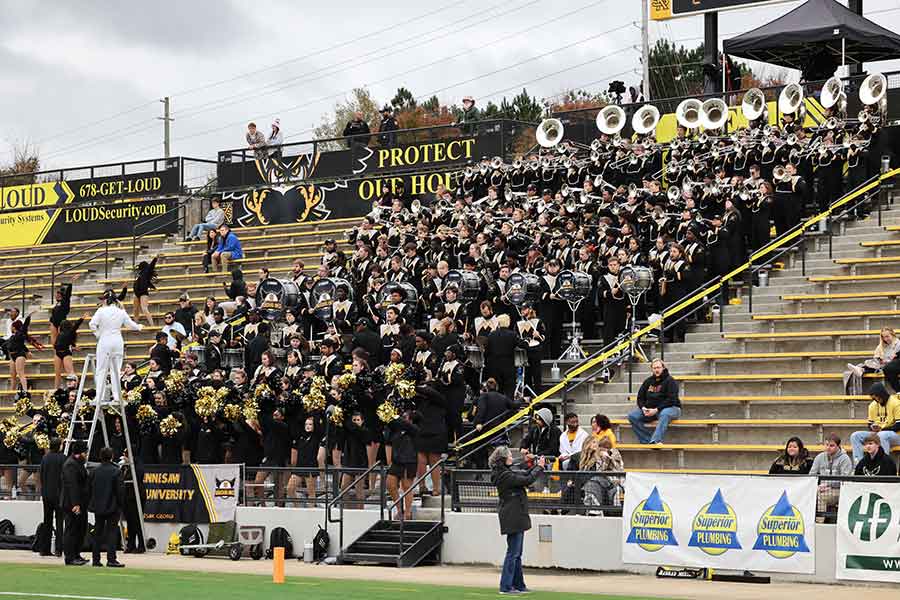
{"x": 666, "y": 9}
{"x": 63, "y": 222}
{"x": 191, "y": 493}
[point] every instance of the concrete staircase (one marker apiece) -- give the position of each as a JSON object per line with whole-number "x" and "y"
{"x": 744, "y": 395}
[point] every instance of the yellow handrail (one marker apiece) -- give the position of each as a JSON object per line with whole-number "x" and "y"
{"x": 626, "y": 343}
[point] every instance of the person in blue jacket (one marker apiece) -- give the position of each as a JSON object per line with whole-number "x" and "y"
{"x": 229, "y": 248}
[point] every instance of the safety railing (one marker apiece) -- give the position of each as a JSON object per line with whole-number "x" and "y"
{"x": 693, "y": 300}
{"x": 104, "y": 254}
{"x": 399, "y": 503}
{"x": 356, "y": 486}
{"x": 19, "y": 293}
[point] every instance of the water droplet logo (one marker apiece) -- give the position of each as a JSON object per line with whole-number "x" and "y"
{"x": 651, "y": 524}
{"x": 714, "y": 529}
{"x": 780, "y": 530}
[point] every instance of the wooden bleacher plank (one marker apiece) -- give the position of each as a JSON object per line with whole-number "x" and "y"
{"x": 872, "y": 277}
{"x": 75, "y": 245}
{"x": 774, "y": 448}
{"x": 342, "y": 244}
{"x": 250, "y": 238}
{"x": 232, "y": 264}
{"x": 842, "y": 296}
{"x": 880, "y": 243}
{"x": 757, "y": 422}
{"x": 770, "y": 398}
{"x": 799, "y": 334}
{"x": 783, "y": 355}
{"x": 849, "y": 314}
{"x": 768, "y": 376}
{"x": 45, "y": 274}
{"x": 871, "y": 260}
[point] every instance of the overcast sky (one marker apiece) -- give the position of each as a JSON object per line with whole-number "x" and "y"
{"x": 83, "y": 80}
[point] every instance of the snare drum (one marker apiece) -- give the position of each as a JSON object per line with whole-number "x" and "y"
{"x": 280, "y": 355}
{"x": 233, "y": 358}
{"x": 521, "y": 357}
{"x": 474, "y": 356}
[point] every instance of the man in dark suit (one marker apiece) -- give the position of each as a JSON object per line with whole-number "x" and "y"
{"x": 500, "y": 355}
{"x": 134, "y": 544}
{"x": 73, "y": 502}
{"x": 51, "y": 478}
{"x": 106, "y": 503}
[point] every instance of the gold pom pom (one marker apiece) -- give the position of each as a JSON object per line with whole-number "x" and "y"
{"x": 42, "y": 441}
{"x": 406, "y": 389}
{"x": 232, "y": 412}
{"x": 261, "y": 390}
{"x": 337, "y": 416}
{"x": 23, "y": 405}
{"x": 346, "y": 381}
{"x": 145, "y": 413}
{"x": 62, "y": 430}
{"x": 11, "y": 438}
{"x": 387, "y": 412}
{"x": 169, "y": 426}
{"x": 393, "y": 373}
{"x": 222, "y": 393}
{"x": 207, "y": 402}
{"x": 134, "y": 396}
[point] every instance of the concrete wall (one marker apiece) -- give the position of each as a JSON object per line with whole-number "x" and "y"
{"x": 588, "y": 543}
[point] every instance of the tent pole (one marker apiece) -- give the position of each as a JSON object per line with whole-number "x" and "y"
{"x": 845, "y": 71}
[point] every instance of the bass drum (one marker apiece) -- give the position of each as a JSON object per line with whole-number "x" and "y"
{"x": 468, "y": 283}
{"x": 573, "y": 285}
{"x": 274, "y": 296}
{"x": 523, "y": 287}
{"x": 325, "y": 292}
{"x": 408, "y": 293}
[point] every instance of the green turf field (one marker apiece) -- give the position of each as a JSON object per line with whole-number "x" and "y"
{"x": 42, "y": 582}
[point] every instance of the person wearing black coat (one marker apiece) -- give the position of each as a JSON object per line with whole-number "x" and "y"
{"x": 400, "y": 434}
{"x": 489, "y": 408}
{"x": 387, "y": 128}
{"x": 162, "y": 353}
{"x": 276, "y": 438}
{"x": 73, "y": 502}
{"x": 657, "y": 405}
{"x": 51, "y": 482}
{"x": 542, "y": 438}
{"x": 431, "y": 439}
{"x": 451, "y": 378}
{"x": 356, "y": 131}
{"x": 500, "y": 355}
{"x": 875, "y": 462}
{"x": 369, "y": 341}
{"x": 107, "y": 500}
{"x": 134, "y": 543}
{"x": 512, "y": 510}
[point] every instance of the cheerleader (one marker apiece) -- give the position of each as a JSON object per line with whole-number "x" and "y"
{"x": 63, "y": 346}
{"x": 60, "y": 310}
{"x": 144, "y": 280}
{"x": 17, "y": 346}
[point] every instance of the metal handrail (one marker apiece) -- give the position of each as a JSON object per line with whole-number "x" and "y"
{"x": 414, "y": 485}
{"x": 104, "y": 254}
{"x": 341, "y": 495}
{"x": 14, "y": 294}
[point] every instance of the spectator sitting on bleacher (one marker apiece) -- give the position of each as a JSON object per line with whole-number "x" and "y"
{"x": 601, "y": 428}
{"x": 185, "y": 312}
{"x": 571, "y": 441}
{"x": 833, "y": 462}
{"x": 256, "y": 141}
{"x": 887, "y": 349}
{"x": 228, "y": 248}
{"x": 794, "y": 461}
{"x": 875, "y": 462}
{"x": 657, "y": 402}
{"x": 215, "y": 218}
{"x": 212, "y": 242}
{"x": 174, "y": 331}
{"x": 884, "y": 421}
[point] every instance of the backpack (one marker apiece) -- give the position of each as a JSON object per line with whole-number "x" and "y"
{"x": 280, "y": 538}
{"x": 190, "y": 535}
{"x": 320, "y": 545}
{"x": 7, "y": 527}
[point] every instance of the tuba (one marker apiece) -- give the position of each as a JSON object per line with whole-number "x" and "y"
{"x": 688, "y": 113}
{"x": 873, "y": 89}
{"x": 713, "y": 114}
{"x": 779, "y": 173}
{"x": 611, "y": 119}
{"x": 645, "y": 119}
{"x": 549, "y": 133}
{"x": 833, "y": 94}
{"x": 790, "y": 99}
{"x": 753, "y": 105}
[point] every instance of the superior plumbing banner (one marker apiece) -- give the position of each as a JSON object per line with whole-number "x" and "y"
{"x": 191, "y": 493}
{"x": 755, "y": 523}
{"x": 868, "y": 532}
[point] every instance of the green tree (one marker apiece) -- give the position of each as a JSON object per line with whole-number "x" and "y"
{"x": 332, "y": 125}
{"x": 491, "y": 111}
{"x": 403, "y": 100}
{"x": 675, "y": 71}
{"x": 432, "y": 105}
{"x": 526, "y": 108}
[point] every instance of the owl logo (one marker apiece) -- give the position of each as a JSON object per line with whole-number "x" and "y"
{"x": 225, "y": 488}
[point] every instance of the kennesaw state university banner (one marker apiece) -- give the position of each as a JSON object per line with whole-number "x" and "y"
{"x": 725, "y": 522}
{"x": 868, "y": 532}
{"x": 191, "y": 493}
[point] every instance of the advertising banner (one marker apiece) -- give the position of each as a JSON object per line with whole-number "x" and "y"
{"x": 868, "y": 532}
{"x": 191, "y": 493}
{"x": 755, "y": 523}
{"x": 358, "y": 177}
{"x": 95, "y": 189}
{"x": 74, "y": 223}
